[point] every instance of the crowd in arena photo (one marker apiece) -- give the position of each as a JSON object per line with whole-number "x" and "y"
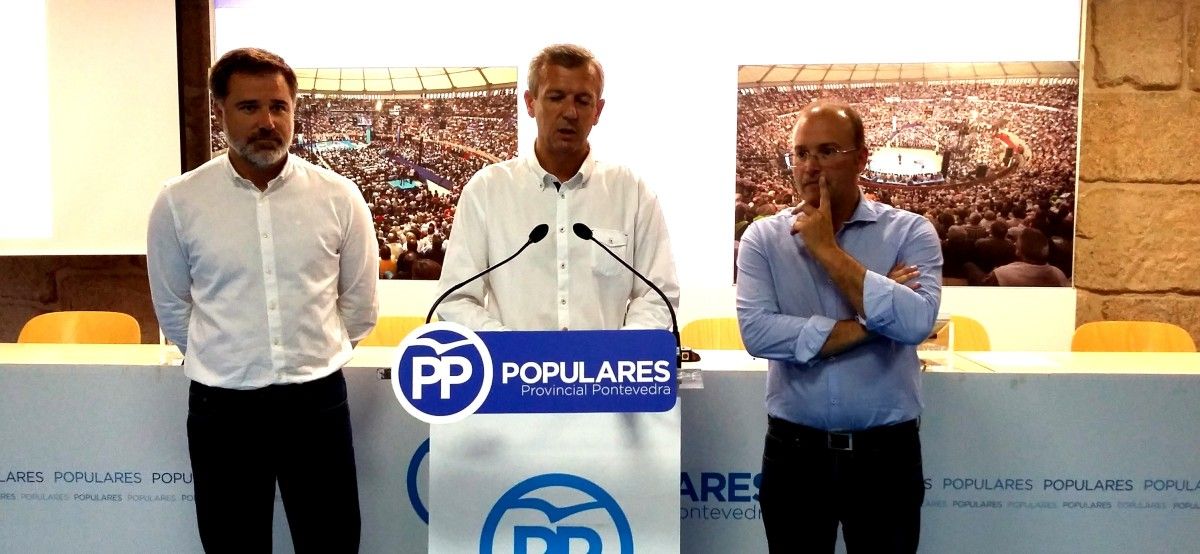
{"x": 1009, "y": 168}
{"x": 410, "y": 157}
{"x": 886, "y": 178}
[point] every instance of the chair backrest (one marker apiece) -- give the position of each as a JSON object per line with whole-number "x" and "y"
{"x": 1131, "y": 336}
{"x": 717, "y": 333}
{"x": 390, "y": 330}
{"x": 82, "y": 327}
{"x": 969, "y": 335}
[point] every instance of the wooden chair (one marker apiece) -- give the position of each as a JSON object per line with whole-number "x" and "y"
{"x": 82, "y": 327}
{"x": 717, "y": 333}
{"x": 969, "y": 335}
{"x": 390, "y": 330}
{"x": 1131, "y": 336}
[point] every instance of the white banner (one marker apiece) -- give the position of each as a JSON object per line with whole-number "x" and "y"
{"x": 95, "y": 458}
{"x": 555, "y": 482}
{"x": 1013, "y": 463}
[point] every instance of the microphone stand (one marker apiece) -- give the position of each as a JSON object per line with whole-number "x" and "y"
{"x": 584, "y": 232}
{"x": 536, "y": 235}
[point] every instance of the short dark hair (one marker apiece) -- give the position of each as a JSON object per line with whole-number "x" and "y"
{"x": 1033, "y": 246}
{"x": 999, "y": 229}
{"x": 253, "y": 61}
{"x": 569, "y": 56}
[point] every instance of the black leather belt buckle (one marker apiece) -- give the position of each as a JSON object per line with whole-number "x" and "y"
{"x": 840, "y": 441}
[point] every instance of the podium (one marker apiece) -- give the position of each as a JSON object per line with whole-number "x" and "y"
{"x": 549, "y": 442}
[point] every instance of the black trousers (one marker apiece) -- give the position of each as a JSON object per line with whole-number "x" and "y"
{"x": 242, "y": 442}
{"x": 871, "y": 482}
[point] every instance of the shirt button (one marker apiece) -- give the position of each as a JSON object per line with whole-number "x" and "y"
{"x": 265, "y": 235}
{"x": 563, "y": 301}
{"x": 562, "y": 196}
{"x": 271, "y": 306}
{"x": 834, "y": 402}
{"x": 276, "y": 342}
{"x": 564, "y": 328}
{"x": 267, "y": 271}
{"x": 562, "y": 229}
{"x": 562, "y": 266}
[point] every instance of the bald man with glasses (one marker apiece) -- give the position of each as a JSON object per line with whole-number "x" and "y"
{"x": 836, "y": 293}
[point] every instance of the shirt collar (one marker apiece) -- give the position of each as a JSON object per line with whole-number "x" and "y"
{"x": 545, "y": 179}
{"x": 866, "y": 211}
{"x": 289, "y": 167}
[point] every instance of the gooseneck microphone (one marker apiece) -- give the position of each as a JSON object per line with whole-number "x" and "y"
{"x": 584, "y": 232}
{"x": 535, "y": 235}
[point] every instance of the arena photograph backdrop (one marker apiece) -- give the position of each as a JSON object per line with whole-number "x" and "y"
{"x": 410, "y": 138}
{"x": 985, "y": 151}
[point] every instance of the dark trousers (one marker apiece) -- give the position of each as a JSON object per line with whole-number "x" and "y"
{"x": 244, "y": 441}
{"x": 870, "y": 482}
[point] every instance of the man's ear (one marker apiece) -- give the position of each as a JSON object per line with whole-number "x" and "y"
{"x": 219, "y": 111}
{"x": 864, "y": 157}
{"x": 529, "y": 98}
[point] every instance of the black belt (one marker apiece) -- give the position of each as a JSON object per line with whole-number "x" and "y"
{"x": 310, "y": 396}
{"x": 811, "y": 437}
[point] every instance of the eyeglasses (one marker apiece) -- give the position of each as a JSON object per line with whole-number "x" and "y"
{"x": 824, "y": 154}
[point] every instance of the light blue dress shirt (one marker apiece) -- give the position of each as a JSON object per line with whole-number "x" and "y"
{"x": 787, "y": 305}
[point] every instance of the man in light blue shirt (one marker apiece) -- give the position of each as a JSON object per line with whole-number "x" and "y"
{"x": 836, "y": 293}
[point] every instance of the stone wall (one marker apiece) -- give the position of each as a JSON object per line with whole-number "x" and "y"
{"x": 1137, "y": 254}
{"x": 33, "y": 285}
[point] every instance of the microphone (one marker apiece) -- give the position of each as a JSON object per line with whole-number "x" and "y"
{"x": 535, "y": 235}
{"x": 584, "y": 232}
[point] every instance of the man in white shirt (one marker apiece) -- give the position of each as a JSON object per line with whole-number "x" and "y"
{"x": 263, "y": 269}
{"x": 563, "y": 282}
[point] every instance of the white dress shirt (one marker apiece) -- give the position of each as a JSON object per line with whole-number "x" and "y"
{"x": 262, "y": 287}
{"x": 562, "y": 282}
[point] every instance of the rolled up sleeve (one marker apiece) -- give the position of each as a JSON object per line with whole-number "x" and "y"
{"x": 766, "y": 332}
{"x": 897, "y": 311}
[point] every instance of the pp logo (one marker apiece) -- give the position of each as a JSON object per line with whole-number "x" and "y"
{"x": 556, "y": 513}
{"x": 413, "y": 481}
{"x": 442, "y": 372}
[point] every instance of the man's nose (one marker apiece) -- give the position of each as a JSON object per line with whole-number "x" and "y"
{"x": 266, "y": 120}
{"x": 572, "y": 112}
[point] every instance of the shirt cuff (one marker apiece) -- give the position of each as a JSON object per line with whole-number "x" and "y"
{"x": 877, "y": 301}
{"x": 812, "y": 337}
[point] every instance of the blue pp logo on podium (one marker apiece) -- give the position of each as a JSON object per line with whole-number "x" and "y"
{"x": 556, "y": 513}
{"x": 444, "y": 372}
